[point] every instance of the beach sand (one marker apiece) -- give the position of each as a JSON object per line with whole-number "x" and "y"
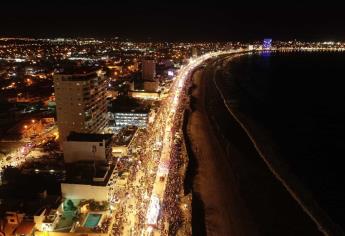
{"x": 239, "y": 193}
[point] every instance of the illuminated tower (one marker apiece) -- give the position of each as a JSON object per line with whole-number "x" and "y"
{"x": 267, "y": 44}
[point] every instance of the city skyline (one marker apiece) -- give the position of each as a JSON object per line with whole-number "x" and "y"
{"x": 121, "y": 119}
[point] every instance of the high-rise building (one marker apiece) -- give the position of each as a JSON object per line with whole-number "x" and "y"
{"x": 148, "y": 69}
{"x": 194, "y": 52}
{"x": 81, "y": 103}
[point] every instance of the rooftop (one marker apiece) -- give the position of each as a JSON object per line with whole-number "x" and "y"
{"x": 89, "y": 172}
{"x": 125, "y": 136}
{"x": 128, "y": 104}
{"x": 78, "y": 73}
{"x": 83, "y": 137}
{"x": 79, "y": 70}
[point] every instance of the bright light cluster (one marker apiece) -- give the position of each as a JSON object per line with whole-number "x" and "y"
{"x": 153, "y": 211}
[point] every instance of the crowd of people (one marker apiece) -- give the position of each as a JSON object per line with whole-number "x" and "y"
{"x": 171, "y": 203}
{"x": 140, "y": 180}
{"x": 145, "y": 151}
{"x": 171, "y": 211}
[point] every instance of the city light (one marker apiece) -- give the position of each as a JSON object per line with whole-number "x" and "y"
{"x": 153, "y": 211}
{"x": 267, "y": 44}
{"x": 141, "y": 163}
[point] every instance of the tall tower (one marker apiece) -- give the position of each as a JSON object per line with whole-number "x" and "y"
{"x": 81, "y": 103}
{"x": 148, "y": 69}
{"x": 194, "y": 52}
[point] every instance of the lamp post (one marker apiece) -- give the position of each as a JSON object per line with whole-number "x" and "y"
{"x": 33, "y": 122}
{"x": 25, "y": 131}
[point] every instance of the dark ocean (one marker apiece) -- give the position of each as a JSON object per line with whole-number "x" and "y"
{"x": 299, "y": 98}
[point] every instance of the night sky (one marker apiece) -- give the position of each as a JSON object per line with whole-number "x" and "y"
{"x": 172, "y": 22}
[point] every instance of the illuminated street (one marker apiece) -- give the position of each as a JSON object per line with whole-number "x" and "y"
{"x": 171, "y": 120}
{"x": 141, "y": 209}
{"x": 22, "y": 154}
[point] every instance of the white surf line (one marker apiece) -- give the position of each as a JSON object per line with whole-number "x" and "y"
{"x": 271, "y": 168}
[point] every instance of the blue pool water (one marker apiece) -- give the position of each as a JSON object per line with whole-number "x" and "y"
{"x": 92, "y": 220}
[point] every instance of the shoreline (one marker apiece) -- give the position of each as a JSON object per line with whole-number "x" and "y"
{"x": 302, "y": 225}
{"x": 197, "y": 206}
{"x": 212, "y": 192}
{"x": 277, "y": 166}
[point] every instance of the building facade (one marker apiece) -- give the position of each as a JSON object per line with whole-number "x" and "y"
{"x": 81, "y": 103}
{"x": 148, "y": 69}
{"x": 98, "y": 187}
{"x": 135, "y": 118}
{"x": 87, "y": 147}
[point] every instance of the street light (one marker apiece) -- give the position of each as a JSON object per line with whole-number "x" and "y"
{"x": 33, "y": 121}
{"x": 25, "y": 126}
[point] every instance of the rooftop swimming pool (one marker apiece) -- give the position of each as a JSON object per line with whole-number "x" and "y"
{"x": 92, "y": 220}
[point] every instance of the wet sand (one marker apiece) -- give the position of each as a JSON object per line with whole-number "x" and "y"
{"x": 224, "y": 211}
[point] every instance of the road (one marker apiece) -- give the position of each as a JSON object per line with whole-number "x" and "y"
{"x": 141, "y": 210}
{"x": 173, "y": 109}
{"x": 22, "y": 153}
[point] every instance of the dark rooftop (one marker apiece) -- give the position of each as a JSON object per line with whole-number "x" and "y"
{"x": 79, "y": 70}
{"x": 76, "y": 73}
{"x": 83, "y": 137}
{"x": 125, "y": 135}
{"x": 84, "y": 172}
{"x": 30, "y": 207}
{"x": 128, "y": 104}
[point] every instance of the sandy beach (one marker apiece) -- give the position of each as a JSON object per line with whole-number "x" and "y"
{"x": 239, "y": 194}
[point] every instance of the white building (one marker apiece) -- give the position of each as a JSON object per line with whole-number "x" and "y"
{"x": 98, "y": 186}
{"x": 126, "y": 111}
{"x": 83, "y": 147}
{"x": 85, "y": 191}
{"x": 81, "y": 103}
{"x": 135, "y": 118}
